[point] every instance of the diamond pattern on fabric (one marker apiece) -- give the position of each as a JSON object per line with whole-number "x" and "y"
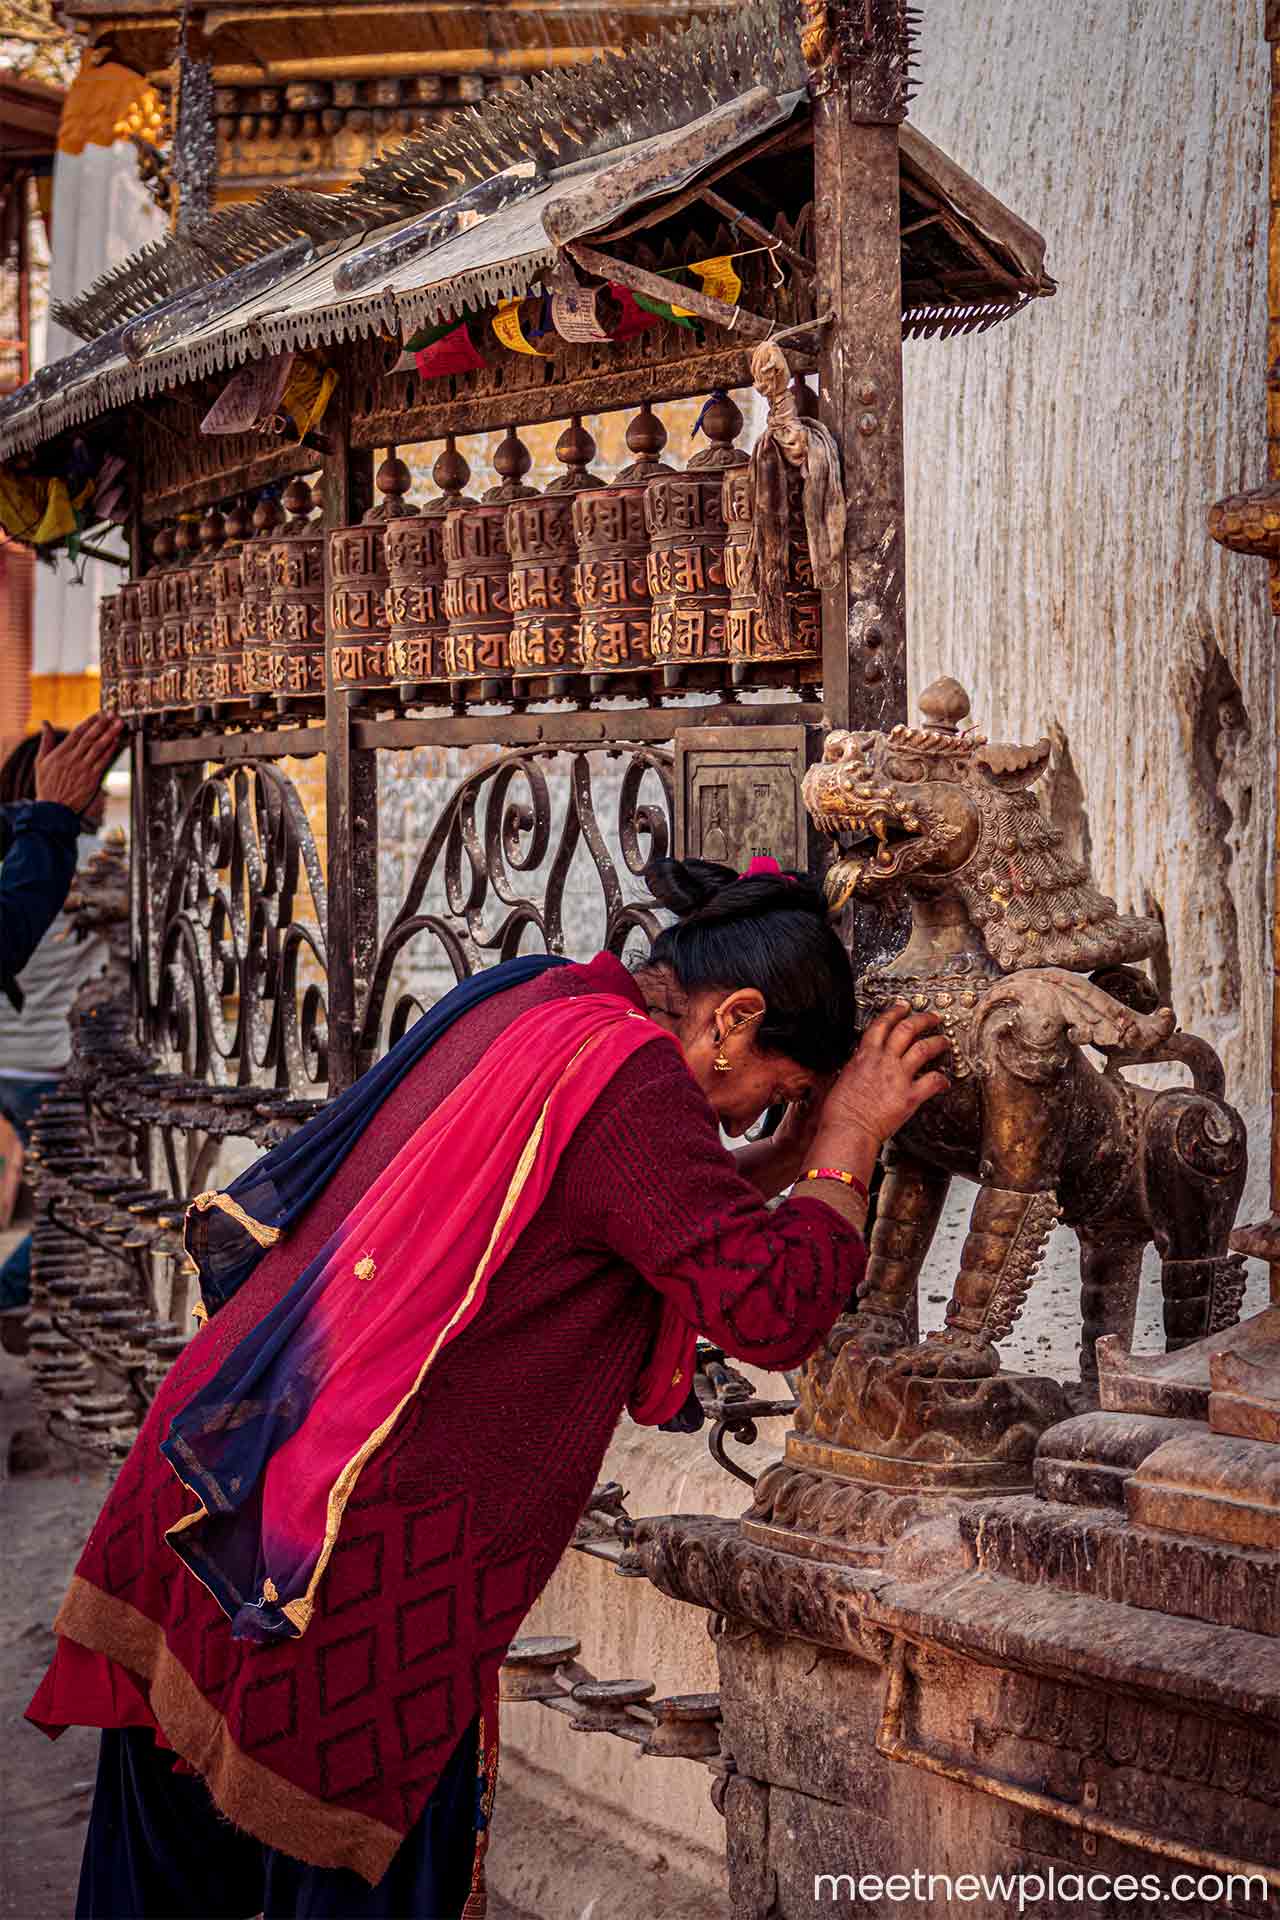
{"x": 268, "y": 1711}
{"x": 505, "y": 1588}
{"x": 354, "y": 1574}
{"x": 348, "y": 1669}
{"x": 426, "y": 1626}
{"x": 434, "y": 1534}
{"x": 426, "y": 1718}
{"x": 350, "y": 1762}
{"x": 219, "y": 1656}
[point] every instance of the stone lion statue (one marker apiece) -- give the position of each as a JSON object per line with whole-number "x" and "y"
{"x": 1027, "y": 965}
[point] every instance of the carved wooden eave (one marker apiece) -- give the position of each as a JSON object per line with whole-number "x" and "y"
{"x": 296, "y": 40}
{"x": 968, "y": 264}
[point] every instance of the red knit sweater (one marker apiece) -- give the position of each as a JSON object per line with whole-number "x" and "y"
{"x": 328, "y": 1746}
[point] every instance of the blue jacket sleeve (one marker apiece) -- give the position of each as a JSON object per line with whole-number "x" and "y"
{"x": 35, "y": 878}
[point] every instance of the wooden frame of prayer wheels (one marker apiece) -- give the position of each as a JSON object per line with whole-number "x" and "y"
{"x": 611, "y": 577}
{"x": 749, "y": 636}
{"x": 684, "y": 513}
{"x": 358, "y": 581}
{"x": 255, "y": 597}
{"x": 228, "y": 591}
{"x": 545, "y": 628}
{"x": 414, "y": 548}
{"x": 110, "y": 611}
{"x": 477, "y": 586}
{"x": 295, "y": 609}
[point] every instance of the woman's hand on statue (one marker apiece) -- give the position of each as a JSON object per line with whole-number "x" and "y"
{"x": 891, "y": 1075}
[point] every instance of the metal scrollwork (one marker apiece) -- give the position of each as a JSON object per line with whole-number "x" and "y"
{"x": 493, "y": 878}
{"x": 239, "y": 980}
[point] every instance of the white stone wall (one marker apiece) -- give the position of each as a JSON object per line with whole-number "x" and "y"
{"x": 1060, "y": 467}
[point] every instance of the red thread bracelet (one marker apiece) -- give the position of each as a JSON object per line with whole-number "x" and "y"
{"x": 837, "y": 1173}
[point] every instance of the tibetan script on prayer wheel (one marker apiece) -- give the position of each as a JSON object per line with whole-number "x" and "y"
{"x": 171, "y": 684}
{"x": 255, "y": 603}
{"x": 228, "y": 588}
{"x": 477, "y": 586}
{"x": 611, "y": 578}
{"x": 130, "y": 648}
{"x": 358, "y": 581}
{"x": 684, "y": 513}
{"x": 295, "y": 610}
{"x": 109, "y": 620}
{"x": 150, "y": 683}
{"x": 201, "y": 644}
{"x": 749, "y": 638}
{"x": 545, "y": 637}
{"x": 544, "y": 625}
{"x": 416, "y": 618}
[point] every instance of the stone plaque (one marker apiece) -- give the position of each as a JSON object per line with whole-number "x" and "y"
{"x": 738, "y": 794}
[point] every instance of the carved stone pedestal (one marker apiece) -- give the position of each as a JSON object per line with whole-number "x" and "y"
{"x": 1078, "y": 1685}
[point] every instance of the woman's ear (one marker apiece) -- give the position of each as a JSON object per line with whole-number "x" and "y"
{"x": 737, "y": 1008}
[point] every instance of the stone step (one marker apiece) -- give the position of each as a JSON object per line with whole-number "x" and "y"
{"x": 1214, "y": 1486}
{"x": 1101, "y": 1552}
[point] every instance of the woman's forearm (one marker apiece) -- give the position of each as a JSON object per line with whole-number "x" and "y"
{"x": 772, "y": 1165}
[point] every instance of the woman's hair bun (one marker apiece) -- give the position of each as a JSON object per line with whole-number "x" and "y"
{"x": 710, "y": 892}
{"x": 765, "y": 930}
{"x": 687, "y": 886}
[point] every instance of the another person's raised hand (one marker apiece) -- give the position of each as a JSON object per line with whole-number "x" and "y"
{"x": 71, "y": 773}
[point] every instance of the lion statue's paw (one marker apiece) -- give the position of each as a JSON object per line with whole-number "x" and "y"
{"x": 947, "y": 1356}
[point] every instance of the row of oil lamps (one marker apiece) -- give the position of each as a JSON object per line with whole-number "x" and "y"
{"x": 520, "y": 592}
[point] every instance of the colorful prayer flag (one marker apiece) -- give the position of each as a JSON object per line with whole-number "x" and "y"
{"x": 719, "y": 280}
{"x": 508, "y": 326}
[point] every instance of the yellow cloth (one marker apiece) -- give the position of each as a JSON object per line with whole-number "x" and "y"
{"x": 307, "y": 393}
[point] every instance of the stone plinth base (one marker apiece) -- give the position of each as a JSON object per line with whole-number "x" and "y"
{"x": 995, "y": 1695}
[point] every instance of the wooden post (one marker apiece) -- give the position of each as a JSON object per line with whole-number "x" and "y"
{"x": 857, "y": 51}
{"x": 351, "y": 791}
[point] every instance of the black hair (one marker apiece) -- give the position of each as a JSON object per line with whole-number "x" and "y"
{"x": 770, "y": 932}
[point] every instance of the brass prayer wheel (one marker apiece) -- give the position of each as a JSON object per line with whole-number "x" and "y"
{"x": 201, "y": 644}
{"x": 255, "y": 596}
{"x": 749, "y": 636}
{"x": 295, "y": 610}
{"x": 611, "y": 578}
{"x": 173, "y": 694}
{"x": 477, "y": 586}
{"x": 684, "y": 513}
{"x": 130, "y": 648}
{"x": 358, "y": 581}
{"x": 109, "y": 616}
{"x": 150, "y": 682}
{"x": 416, "y": 618}
{"x": 545, "y": 636}
{"x": 228, "y": 590}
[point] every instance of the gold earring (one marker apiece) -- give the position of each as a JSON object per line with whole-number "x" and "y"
{"x": 722, "y": 1063}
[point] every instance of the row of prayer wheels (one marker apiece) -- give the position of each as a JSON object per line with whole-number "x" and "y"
{"x": 462, "y": 596}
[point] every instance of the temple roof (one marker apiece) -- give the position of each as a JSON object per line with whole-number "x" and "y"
{"x": 479, "y": 209}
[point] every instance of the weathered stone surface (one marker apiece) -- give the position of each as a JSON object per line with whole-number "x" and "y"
{"x": 1085, "y": 1462}
{"x": 1214, "y": 1485}
{"x": 1100, "y": 1552}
